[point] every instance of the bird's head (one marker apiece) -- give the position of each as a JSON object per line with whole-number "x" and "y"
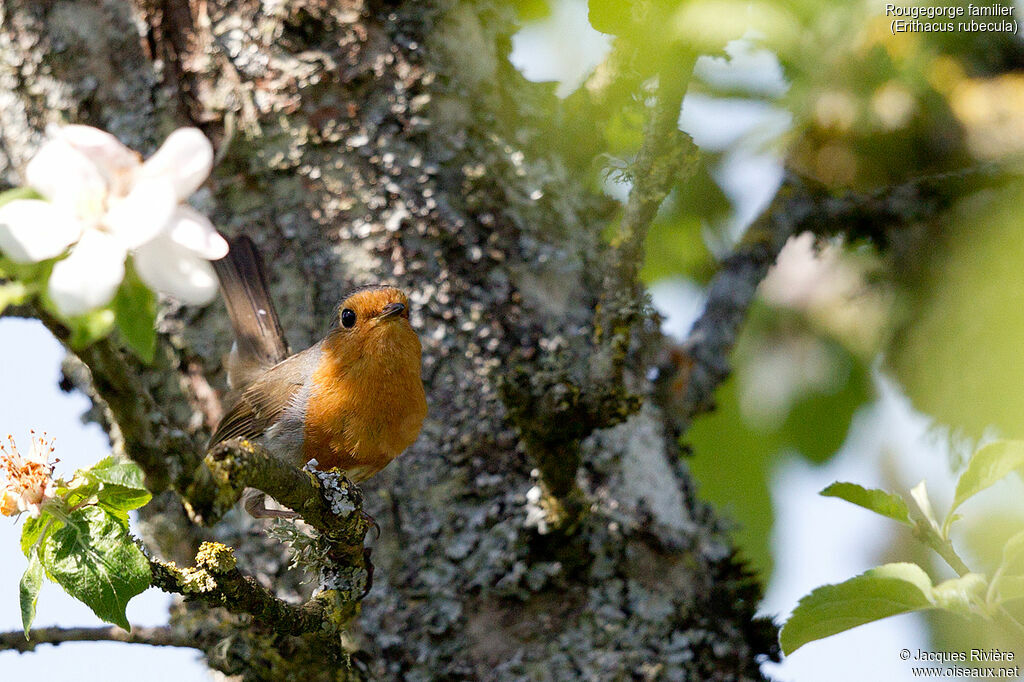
{"x": 373, "y": 322}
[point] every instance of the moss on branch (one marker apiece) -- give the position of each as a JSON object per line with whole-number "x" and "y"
{"x": 663, "y": 159}
{"x": 216, "y": 580}
{"x": 553, "y": 404}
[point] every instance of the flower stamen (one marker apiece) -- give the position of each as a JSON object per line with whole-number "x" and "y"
{"x": 26, "y": 481}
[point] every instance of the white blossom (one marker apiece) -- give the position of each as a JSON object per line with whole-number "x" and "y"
{"x": 103, "y": 201}
{"x": 26, "y": 481}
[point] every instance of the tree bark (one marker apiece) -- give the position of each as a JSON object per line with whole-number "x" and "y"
{"x": 392, "y": 141}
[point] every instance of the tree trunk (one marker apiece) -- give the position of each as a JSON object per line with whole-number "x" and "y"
{"x": 392, "y": 141}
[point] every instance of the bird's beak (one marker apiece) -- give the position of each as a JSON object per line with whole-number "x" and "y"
{"x": 392, "y": 310}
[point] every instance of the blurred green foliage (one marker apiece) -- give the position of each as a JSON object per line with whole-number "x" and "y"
{"x": 959, "y": 356}
{"x": 870, "y": 109}
{"x": 675, "y": 247}
{"x": 984, "y": 536}
{"x": 736, "y": 452}
{"x": 532, "y": 10}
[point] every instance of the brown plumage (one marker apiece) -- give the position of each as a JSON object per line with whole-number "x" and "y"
{"x": 354, "y": 400}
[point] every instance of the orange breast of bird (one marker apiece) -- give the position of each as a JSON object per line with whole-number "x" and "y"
{"x": 367, "y": 402}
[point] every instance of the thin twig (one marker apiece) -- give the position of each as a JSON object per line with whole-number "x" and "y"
{"x": 656, "y": 169}
{"x": 154, "y": 636}
{"x": 798, "y": 207}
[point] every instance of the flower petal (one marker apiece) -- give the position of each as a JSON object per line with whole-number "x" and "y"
{"x": 185, "y": 159}
{"x": 89, "y": 276}
{"x": 194, "y": 231}
{"x": 8, "y": 503}
{"x": 114, "y": 160}
{"x": 142, "y": 214}
{"x": 175, "y": 270}
{"x": 65, "y": 176}
{"x": 33, "y": 230}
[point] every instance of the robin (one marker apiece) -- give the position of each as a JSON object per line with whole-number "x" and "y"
{"x": 354, "y": 400}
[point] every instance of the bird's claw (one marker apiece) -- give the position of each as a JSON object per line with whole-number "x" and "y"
{"x": 372, "y": 523}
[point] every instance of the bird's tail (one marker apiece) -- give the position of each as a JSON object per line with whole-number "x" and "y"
{"x": 259, "y": 339}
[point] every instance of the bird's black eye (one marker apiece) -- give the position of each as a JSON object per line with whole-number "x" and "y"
{"x": 348, "y": 318}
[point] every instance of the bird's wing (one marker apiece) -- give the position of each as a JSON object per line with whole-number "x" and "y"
{"x": 263, "y": 403}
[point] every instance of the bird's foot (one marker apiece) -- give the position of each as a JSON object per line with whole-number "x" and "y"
{"x": 255, "y": 503}
{"x": 371, "y": 522}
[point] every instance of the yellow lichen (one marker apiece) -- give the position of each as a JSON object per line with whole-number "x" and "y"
{"x": 215, "y": 557}
{"x": 195, "y": 580}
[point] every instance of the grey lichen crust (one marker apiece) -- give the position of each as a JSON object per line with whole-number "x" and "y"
{"x": 395, "y": 144}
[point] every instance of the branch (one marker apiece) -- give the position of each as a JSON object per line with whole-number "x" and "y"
{"x": 154, "y": 636}
{"x": 798, "y": 207}
{"x": 665, "y": 158}
{"x": 166, "y": 455}
{"x": 657, "y": 168}
{"x": 328, "y": 502}
{"x": 217, "y": 581}
{"x": 552, "y": 402}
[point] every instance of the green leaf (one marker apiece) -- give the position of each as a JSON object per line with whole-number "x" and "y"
{"x": 81, "y": 496}
{"x": 706, "y": 26}
{"x": 28, "y": 591}
{"x": 1013, "y": 556}
{"x": 988, "y": 465}
{"x": 1009, "y": 587}
{"x": 878, "y": 501}
{"x": 959, "y": 595}
{"x": 119, "y": 471}
{"x": 135, "y": 308}
{"x": 95, "y": 561}
{"x": 532, "y": 10}
{"x": 18, "y": 193}
{"x": 79, "y": 490}
{"x": 117, "y": 484}
{"x": 119, "y": 499}
{"x": 34, "y": 528}
{"x": 89, "y": 328}
{"x": 32, "y": 274}
{"x": 885, "y": 591}
{"x": 1008, "y": 579}
{"x": 610, "y": 16}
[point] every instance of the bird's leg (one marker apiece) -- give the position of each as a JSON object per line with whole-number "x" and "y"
{"x": 255, "y": 503}
{"x": 372, "y": 522}
{"x": 368, "y": 565}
